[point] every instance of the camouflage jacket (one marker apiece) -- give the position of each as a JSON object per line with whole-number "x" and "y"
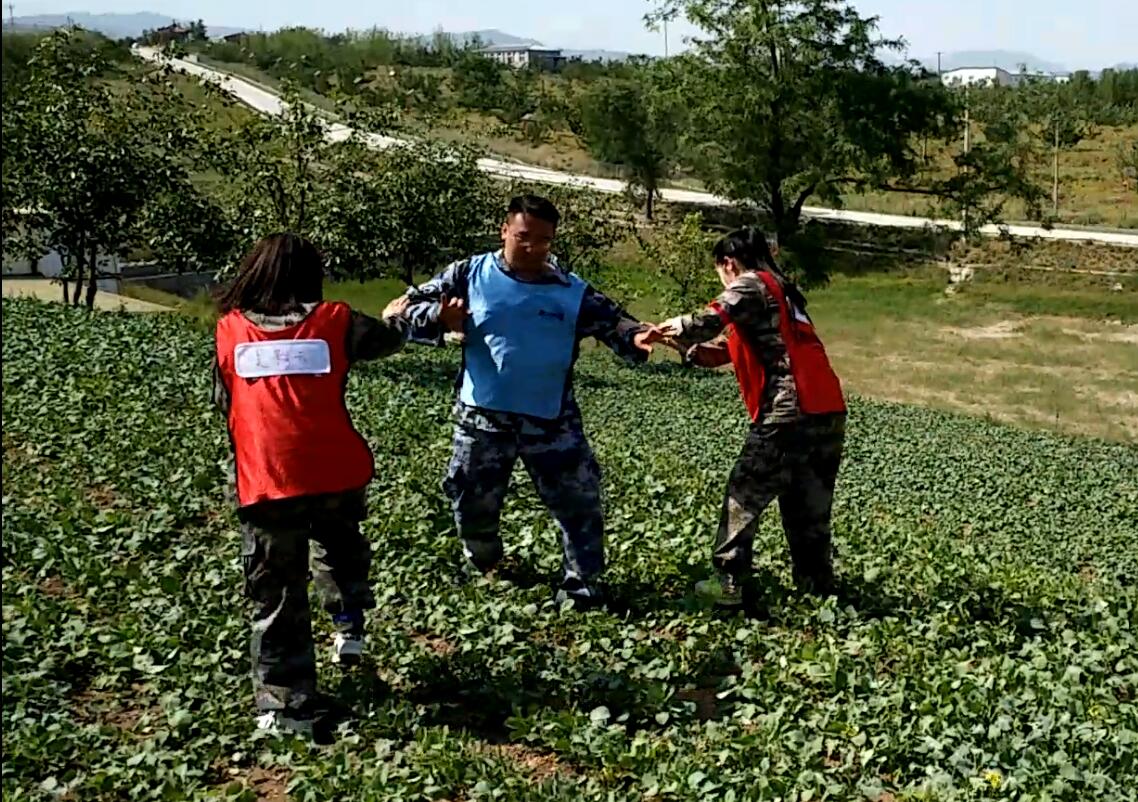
{"x": 749, "y": 305}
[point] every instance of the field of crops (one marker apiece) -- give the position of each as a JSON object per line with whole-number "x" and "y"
{"x": 983, "y": 646}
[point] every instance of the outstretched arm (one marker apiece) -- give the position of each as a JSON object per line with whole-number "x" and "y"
{"x": 369, "y": 338}
{"x": 605, "y": 320}
{"x": 711, "y": 354}
{"x": 439, "y": 305}
{"x": 746, "y": 302}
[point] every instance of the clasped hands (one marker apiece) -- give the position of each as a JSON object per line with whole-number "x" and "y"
{"x": 706, "y": 355}
{"x": 452, "y": 316}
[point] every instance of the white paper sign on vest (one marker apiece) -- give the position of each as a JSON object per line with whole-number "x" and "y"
{"x": 282, "y": 358}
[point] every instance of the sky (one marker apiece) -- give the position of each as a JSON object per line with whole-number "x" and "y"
{"x": 1080, "y": 34}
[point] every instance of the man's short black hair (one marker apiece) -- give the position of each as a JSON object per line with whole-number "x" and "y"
{"x": 534, "y": 206}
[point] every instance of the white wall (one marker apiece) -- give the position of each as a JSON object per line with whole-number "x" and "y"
{"x": 971, "y": 76}
{"x": 51, "y": 265}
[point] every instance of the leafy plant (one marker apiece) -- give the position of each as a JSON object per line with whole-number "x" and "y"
{"x": 982, "y": 645}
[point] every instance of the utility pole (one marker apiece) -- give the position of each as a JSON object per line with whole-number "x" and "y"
{"x": 11, "y": 16}
{"x": 665, "y": 38}
{"x": 938, "y": 72}
{"x": 1055, "y": 173}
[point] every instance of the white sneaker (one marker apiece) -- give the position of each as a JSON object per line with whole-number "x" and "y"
{"x": 277, "y": 721}
{"x": 347, "y": 649}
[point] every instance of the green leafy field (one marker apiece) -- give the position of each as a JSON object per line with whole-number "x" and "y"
{"x": 983, "y": 645}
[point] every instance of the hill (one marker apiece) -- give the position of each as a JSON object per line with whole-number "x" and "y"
{"x": 488, "y": 37}
{"x": 114, "y": 26}
{"x": 1010, "y": 60}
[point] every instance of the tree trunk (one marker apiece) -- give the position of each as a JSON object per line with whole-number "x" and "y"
{"x": 80, "y": 260}
{"x": 651, "y": 193}
{"x": 408, "y": 274}
{"x": 93, "y": 279}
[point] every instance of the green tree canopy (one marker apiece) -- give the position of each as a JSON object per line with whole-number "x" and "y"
{"x": 635, "y": 123}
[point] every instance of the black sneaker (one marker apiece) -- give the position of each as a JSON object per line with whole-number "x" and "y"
{"x": 817, "y": 583}
{"x": 583, "y": 595}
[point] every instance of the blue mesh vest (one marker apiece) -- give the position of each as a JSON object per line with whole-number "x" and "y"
{"x": 520, "y": 339}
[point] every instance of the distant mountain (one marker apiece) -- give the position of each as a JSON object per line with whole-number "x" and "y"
{"x": 492, "y": 36}
{"x": 114, "y": 26}
{"x": 1009, "y": 60}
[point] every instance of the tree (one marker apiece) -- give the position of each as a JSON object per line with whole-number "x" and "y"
{"x": 634, "y": 123}
{"x": 371, "y": 211}
{"x": 520, "y": 96}
{"x": 407, "y": 208}
{"x": 478, "y": 82}
{"x": 82, "y": 162}
{"x": 185, "y": 228}
{"x": 789, "y": 100}
{"x": 274, "y": 165}
{"x": 1126, "y": 157}
{"x": 1060, "y": 123}
{"x": 681, "y": 256}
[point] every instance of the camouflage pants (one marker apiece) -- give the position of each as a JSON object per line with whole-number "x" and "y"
{"x": 565, "y": 474}
{"x": 797, "y": 463}
{"x": 276, "y": 557}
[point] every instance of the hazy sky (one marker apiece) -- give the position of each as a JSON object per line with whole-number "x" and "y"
{"x": 1077, "y": 33}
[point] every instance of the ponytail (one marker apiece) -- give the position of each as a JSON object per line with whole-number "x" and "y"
{"x": 750, "y": 247}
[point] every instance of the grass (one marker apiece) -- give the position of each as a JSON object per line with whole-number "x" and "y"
{"x": 1092, "y": 191}
{"x": 1050, "y": 351}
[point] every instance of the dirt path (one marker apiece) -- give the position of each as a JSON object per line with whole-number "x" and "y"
{"x": 45, "y": 290}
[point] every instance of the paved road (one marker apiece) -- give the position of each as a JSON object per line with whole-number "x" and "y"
{"x": 47, "y": 290}
{"x": 266, "y": 102}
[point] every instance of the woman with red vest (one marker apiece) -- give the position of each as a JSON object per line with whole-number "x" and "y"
{"x": 282, "y": 362}
{"x": 795, "y": 403}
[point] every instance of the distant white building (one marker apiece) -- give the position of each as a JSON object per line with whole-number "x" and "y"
{"x": 1042, "y": 77}
{"x": 978, "y": 76}
{"x": 522, "y": 56}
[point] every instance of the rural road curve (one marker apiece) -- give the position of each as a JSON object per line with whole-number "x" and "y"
{"x": 267, "y": 102}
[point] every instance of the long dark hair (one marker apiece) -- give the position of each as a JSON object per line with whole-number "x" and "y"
{"x": 282, "y": 272}
{"x": 750, "y": 248}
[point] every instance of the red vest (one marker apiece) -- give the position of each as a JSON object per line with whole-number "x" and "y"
{"x": 288, "y": 422}
{"x": 818, "y": 387}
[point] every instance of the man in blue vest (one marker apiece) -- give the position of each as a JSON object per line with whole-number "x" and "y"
{"x": 522, "y": 318}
